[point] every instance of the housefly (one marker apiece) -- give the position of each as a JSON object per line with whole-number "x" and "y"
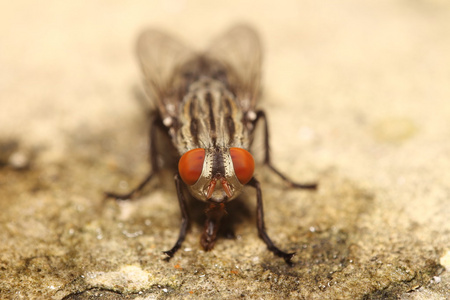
{"x": 206, "y": 105}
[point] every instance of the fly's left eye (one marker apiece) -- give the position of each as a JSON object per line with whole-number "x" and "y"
{"x": 190, "y": 165}
{"x": 243, "y": 164}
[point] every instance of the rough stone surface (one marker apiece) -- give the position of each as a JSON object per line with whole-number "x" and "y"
{"x": 357, "y": 94}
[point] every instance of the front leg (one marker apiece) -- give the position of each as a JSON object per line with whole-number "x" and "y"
{"x": 184, "y": 219}
{"x": 262, "y": 228}
{"x": 260, "y": 115}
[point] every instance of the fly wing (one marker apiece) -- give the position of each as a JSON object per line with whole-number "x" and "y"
{"x": 239, "y": 50}
{"x": 161, "y": 57}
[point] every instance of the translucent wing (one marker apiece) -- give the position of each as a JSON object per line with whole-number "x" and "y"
{"x": 161, "y": 57}
{"x": 239, "y": 50}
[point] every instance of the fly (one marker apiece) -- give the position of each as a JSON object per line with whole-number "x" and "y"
{"x": 206, "y": 104}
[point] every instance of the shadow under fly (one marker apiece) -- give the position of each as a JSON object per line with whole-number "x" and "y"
{"x": 206, "y": 104}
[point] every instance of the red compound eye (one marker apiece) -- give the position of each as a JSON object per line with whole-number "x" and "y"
{"x": 191, "y": 164}
{"x": 243, "y": 164}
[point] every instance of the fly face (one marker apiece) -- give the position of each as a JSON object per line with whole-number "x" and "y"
{"x": 216, "y": 174}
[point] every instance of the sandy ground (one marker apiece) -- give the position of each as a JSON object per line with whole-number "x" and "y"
{"x": 357, "y": 93}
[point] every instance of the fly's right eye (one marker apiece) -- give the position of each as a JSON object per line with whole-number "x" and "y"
{"x": 243, "y": 164}
{"x": 190, "y": 165}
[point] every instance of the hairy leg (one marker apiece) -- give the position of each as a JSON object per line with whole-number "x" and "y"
{"x": 260, "y": 115}
{"x": 261, "y": 225}
{"x": 184, "y": 218}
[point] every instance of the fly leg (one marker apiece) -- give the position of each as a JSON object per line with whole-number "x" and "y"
{"x": 260, "y": 115}
{"x": 155, "y": 124}
{"x": 262, "y": 228}
{"x": 184, "y": 219}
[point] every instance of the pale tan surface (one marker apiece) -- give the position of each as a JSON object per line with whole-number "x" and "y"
{"x": 358, "y": 98}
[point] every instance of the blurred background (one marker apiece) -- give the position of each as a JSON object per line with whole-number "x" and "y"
{"x": 64, "y": 63}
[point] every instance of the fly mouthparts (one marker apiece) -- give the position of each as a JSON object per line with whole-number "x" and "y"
{"x": 211, "y": 188}
{"x": 225, "y": 186}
